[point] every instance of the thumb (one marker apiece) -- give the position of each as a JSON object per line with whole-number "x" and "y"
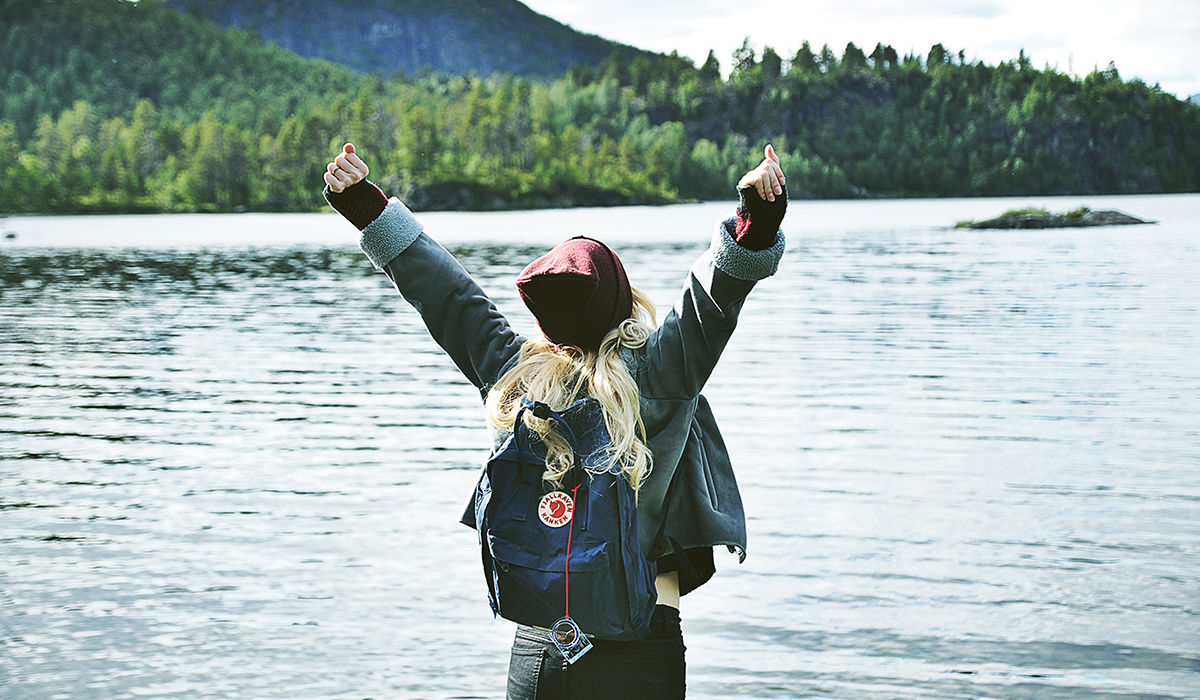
{"x": 769, "y": 152}
{"x": 348, "y": 148}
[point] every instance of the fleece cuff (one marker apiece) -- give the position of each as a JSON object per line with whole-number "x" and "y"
{"x": 740, "y": 262}
{"x": 390, "y": 234}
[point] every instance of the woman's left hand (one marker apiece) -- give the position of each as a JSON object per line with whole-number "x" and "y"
{"x": 767, "y": 178}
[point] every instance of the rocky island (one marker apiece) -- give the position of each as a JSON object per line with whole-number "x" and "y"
{"x": 1082, "y": 217}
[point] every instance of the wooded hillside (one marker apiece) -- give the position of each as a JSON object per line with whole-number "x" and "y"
{"x": 448, "y": 36}
{"x": 115, "y": 106}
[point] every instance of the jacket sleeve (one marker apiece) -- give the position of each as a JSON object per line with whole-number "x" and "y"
{"x": 683, "y": 351}
{"x": 457, "y": 312}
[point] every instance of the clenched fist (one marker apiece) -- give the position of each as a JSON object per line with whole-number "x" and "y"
{"x": 345, "y": 170}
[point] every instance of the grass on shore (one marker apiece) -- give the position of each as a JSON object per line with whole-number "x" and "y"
{"x": 1030, "y": 211}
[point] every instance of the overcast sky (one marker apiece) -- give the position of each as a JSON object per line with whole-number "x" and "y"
{"x": 1155, "y": 40}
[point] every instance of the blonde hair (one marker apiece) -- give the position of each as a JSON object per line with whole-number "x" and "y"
{"x": 561, "y": 375}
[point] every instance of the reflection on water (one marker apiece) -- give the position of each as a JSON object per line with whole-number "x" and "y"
{"x": 970, "y": 463}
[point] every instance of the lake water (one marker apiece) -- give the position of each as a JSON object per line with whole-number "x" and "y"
{"x": 232, "y": 461}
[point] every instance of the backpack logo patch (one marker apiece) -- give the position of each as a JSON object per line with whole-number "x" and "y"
{"x": 556, "y": 509}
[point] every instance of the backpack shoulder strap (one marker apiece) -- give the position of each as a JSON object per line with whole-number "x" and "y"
{"x": 544, "y": 412}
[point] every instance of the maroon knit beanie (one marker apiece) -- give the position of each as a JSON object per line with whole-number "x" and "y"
{"x": 578, "y": 292}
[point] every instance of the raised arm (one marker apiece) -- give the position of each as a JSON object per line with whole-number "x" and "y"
{"x": 745, "y": 248}
{"x": 457, "y": 312}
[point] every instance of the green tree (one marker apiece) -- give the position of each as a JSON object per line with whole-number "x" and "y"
{"x": 938, "y": 56}
{"x": 19, "y": 189}
{"x": 744, "y": 59}
{"x": 884, "y": 58}
{"x": 805, "y": 61}
{"x": 214, "y": 176}
{"x": 772, "y": 65}
{"x": 853, "y": 58}
{"x": 710, "y": 72}
{"x": 827, "y": 62}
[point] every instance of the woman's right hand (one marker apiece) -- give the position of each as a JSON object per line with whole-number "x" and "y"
{"x": 345, "y": 170}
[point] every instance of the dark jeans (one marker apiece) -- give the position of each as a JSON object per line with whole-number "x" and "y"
{"x": 650, "y": 669}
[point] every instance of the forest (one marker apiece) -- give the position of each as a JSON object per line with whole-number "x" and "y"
{"x": 115, "y": 106}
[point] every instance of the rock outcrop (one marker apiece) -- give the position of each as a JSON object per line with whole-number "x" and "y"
{"x": 1085, "y": 219}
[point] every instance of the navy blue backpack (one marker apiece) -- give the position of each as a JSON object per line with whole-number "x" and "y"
{"x": 540, "y": 542}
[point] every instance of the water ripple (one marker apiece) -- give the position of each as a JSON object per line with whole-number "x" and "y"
{"x": 968, "y": 463}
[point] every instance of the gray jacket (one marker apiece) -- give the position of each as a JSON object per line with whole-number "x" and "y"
{"x": 670, "y": 369}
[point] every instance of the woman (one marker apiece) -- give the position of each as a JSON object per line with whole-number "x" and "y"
{"x": 598, "y": 338}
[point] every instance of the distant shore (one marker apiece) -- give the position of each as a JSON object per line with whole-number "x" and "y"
{"x": 470, "y": 197}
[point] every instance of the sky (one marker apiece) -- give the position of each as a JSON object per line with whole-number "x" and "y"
{"x": 1157, "y": 41}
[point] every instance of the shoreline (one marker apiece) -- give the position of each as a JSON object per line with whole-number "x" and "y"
{"x": 636, "y": 202}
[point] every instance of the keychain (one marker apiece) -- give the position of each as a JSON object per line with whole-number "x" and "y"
{"x": 570, "y": 640}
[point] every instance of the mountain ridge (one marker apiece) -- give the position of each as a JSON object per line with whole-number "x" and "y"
{"x": 455, "y": 36}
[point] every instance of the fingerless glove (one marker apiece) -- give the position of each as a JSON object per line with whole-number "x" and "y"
{"x": 758, "y": 219}
{"x": 361, "y": 203}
